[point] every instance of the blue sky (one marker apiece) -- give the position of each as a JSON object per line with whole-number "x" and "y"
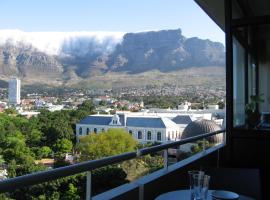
{"x": 108, "y": 15}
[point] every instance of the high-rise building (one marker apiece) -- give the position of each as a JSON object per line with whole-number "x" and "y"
{"x": 14, "y": 92}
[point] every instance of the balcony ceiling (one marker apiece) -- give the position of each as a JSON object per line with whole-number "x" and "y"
{"x": 215, "y": 10}
{"x": 256, "y": 7}
{"x": 241, "y": 8}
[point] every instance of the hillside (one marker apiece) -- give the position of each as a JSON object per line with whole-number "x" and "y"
{"x": 89, "y": 59}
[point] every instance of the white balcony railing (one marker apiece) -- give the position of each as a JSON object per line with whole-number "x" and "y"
{"x": 88, "y": 166}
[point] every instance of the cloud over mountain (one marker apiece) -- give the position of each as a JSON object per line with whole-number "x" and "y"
{"x": 69, "y": 56}
{"x": 53, "y": 43}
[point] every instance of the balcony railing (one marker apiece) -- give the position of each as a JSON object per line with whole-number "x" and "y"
{"x": 53, "y": 174}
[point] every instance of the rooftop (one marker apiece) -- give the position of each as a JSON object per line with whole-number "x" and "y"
{"x": 149, "y": 121}
{"x": 182, "y": 119}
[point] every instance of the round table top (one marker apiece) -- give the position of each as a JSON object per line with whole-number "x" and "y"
{"x": 185, "y": 195}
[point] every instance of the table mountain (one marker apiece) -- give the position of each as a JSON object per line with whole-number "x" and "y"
{"x": 80, "y": 58}
{"x": 23, "y": 60}
{"x": 165, "y": 50}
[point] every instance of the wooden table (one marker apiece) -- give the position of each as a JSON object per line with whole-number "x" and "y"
{"x": 185, "y": 195}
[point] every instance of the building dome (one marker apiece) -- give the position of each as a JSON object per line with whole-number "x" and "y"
{"x": 203, "y": 126}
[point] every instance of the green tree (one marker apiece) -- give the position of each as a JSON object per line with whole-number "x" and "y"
{"x": 10, "y": 111}
{"x": 12, "y": 169}
{"x": 23, "y": 140}
{"x": 71, "y": 193}
{"x": 87, "y": 106}
{"x": 34, "y": 138}
{"x": 63, "y": 146}
{"x": 102, "y": 103}
{"x": 1, "y": 160}
{"x": 60, "y": 160}
{"x": 113, "y": 142}
{"x": 107, "y": 178}
{"x": 4, "y": 197}
{"x": 221, "y": 104}
{"x": 124, "y": 108}
{"x": 43, "y": 152}
{"x": 14, "y": 147}
{"x": 55, "y": 126}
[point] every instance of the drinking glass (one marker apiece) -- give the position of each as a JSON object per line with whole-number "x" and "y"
{"x": 205, "y": 186}
{"x": 192, "y": 174}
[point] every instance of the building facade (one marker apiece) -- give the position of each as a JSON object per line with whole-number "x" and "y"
{"x": 14, "y": 91}
{"x": 143, "y": 128}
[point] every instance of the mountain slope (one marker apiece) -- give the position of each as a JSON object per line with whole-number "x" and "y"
{"x": 164, "y": 50}
{"x": 80, "y": 58}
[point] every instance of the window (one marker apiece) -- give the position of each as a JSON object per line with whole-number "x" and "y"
{"x": 130, "y": 132}
{"x": 159, "y": 136}
{"x": 239, "y": 83}
{"x": 172, "y": 134}
{"x": 149, "y": 135}
{"x": 87, "y": 131}
{"x": 80, "y": 131}
{"x": 95, "y": 130}
{"x": 139, "y": 135}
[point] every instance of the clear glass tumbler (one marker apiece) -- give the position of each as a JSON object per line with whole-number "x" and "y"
{"x": 194, "y": 177}
{"x": 205, "y": 186}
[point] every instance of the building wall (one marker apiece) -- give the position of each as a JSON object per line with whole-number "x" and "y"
{"x": 154, "y": 131}
{"x": 171, "y": 134}
{"x": 144, "y": 131}
{"x": 14, "y": 92}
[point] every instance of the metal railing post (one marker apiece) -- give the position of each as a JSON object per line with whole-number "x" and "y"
{"x": 141, "y": 192}
{"x": 165, "y": 158}
{"x": 204, "y": 141}
{"x": 88, "y": 185}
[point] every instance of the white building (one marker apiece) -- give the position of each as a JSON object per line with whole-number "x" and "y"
{"x": 29, "y": 114}
{"x": 53, "y": 108}
{"x": 14, "y": 92}
{"x": 3, "y": 174}
{"x": 144, "y": 128}
{"x": 184, "y": 107}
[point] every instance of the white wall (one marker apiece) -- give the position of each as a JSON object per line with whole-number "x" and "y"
{"x": 154, "y": 131}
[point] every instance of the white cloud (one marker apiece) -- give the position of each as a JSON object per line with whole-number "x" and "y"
{"x": 52, "y": 42}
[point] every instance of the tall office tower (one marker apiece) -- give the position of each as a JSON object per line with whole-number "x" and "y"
{"x": 14, "y": 92}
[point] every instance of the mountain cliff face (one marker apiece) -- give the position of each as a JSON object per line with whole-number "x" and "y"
{"x": 81, "y": 58}
{"x": 25, "y": 60}
{"x": 165, "y": 51}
